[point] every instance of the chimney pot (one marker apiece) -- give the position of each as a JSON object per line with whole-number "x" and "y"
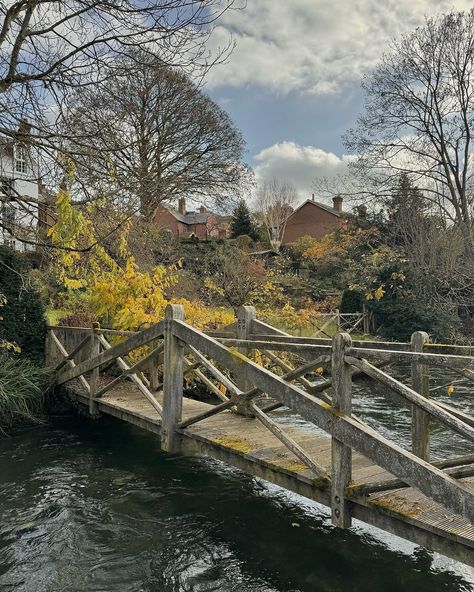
{"x": 337, "y": 203}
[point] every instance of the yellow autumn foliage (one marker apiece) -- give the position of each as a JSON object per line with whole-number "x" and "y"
{"x": 120, "y": 295}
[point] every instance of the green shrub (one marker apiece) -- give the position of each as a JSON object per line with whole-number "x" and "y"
{"x": 398, "y": 319}
{"x": 22, "y": 385}
{"x": 23, "y": 316}
{"x": 352, "y": 301}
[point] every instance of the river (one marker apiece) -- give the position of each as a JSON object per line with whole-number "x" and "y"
{"x": 94, "y": 506}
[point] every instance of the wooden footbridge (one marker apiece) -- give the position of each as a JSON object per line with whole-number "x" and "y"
{"x": 343, "y": 463}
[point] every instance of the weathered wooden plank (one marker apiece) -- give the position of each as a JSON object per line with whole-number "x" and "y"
{"x": 75, "y": 351}
{"x": 341, "y": 454}
{"x": 420, "y": 420}
{"x": 222, "y": 378}
{"x": 119, "y": 350}
{"x": 418, "y": 473}
{"x": 410, "y": 395}
{"x": 458, "y": 472}
{"x": 245, "y": 318}
{"x": 293, "y": 446}
{"x": 126, "y": 373}
{"x": 71, "y": 363}
{"x": 172, "y": 380}
{"x": 295, "y": 347}
{"x": 133, "y": 377}
{"x": 248, "y": 395}
{"x": 406, "y": 357}
{"x": 94, "y": 377}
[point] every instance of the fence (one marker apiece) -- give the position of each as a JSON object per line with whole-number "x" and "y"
{"x": 223, "y": 361}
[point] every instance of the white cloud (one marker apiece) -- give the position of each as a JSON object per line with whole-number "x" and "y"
{"x": 313, "y": 45}
{"x": 300, "y": 165}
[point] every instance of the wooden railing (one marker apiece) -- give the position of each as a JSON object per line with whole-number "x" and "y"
{"x": 223, "y": 362}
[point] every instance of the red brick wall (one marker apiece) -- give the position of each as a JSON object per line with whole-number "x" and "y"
{"x": 310, "y": 220}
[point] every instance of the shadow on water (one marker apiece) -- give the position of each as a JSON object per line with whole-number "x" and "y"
{"x": 94, "y": 506}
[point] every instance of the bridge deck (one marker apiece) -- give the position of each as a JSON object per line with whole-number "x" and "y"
{"x": 245, "y": 443}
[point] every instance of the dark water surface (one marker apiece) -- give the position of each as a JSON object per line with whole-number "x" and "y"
{"x": 93, "y": 506}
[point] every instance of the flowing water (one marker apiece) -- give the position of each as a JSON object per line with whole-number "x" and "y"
{"x": 94, "y": 506}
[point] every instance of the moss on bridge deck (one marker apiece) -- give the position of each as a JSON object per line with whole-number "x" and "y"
{"x": 246, "y": 444}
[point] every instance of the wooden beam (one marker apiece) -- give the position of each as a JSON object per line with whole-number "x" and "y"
{"x": 119, "y": 350}
{"x": 70, "y": 363}
{"x": 341, "y": 454}
{"x": 427, "y": 405}
{"x": 293, "y": 446}
{"x": 173, "y": 376}
{"x": 134, "y": 378}
{"x": 420, "y": 420}
{"x": 388, "y": 455}
{"x": 94, "y": 350}
{"x": 230, "y": 386}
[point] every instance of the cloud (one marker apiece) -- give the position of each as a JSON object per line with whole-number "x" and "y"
{"x": 300, "y": 165}
{"x": 313, "y": 46}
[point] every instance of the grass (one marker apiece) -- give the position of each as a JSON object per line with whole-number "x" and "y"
{"x": 54, "y": 315}
{"x": 22, "y": 387}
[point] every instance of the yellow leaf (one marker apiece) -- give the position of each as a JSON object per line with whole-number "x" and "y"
{"x": 450, "y": 390}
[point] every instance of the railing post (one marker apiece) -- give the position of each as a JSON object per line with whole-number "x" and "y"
{"x": 154, "y": 371}
{"x": 245, "y": 316}
{"x": 341, "y": 455}
{"x": 420, "y": 420}
{"x": 338, "y": 320}
{"x": 366, "y": 321}
{"x": 94, "y": 350}
{"x": 172, "y": 380}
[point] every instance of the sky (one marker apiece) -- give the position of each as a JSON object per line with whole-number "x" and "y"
{"x": 292, "y": 83}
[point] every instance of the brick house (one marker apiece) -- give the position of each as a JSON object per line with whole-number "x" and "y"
{"x": 315, "y": 219}
{"x": 202, "y": 224}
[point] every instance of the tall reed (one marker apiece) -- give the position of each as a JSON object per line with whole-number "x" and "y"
{"x": 22, "y": 387}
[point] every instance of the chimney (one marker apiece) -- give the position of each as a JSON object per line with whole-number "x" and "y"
{"x": 182, "y": 206}
{"x": 312, "y": 196}
{"x": 337, "y": 203}
{"x": 202, "y": 209}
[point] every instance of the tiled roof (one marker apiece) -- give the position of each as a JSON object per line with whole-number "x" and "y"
{"x": 192, "y": 217}
{"x": 322, "y": 206}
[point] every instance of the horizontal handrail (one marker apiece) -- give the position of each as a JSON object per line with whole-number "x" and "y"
{"x": 119, "y": 350}
{"x": 432, "y": 408}
{"x": 358, "y": 436}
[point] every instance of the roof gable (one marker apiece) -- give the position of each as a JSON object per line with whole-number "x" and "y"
{"x": 320, "y": 205}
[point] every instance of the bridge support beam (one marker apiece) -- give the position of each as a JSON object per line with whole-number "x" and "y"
{"x": 341, "y": 454}
{"x": 245, "y": 316}
{"x": 173, "y": 376}
{"x": 94, "y": 350}
{"x": 420, "y": 420}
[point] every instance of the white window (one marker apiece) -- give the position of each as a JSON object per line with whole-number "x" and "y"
{"x": 21, "y": 165}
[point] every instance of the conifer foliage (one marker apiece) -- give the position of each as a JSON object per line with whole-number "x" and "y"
{"x": 241, "y": 221}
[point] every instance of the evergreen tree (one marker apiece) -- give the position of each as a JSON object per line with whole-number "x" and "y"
{"x": 241, "y": 222}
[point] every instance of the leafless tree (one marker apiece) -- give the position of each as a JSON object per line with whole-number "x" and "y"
{"x": 418, "y": 120}
{"x": 274, "y": 202}
{"x": 155, "y": 136}
{"x": 48, "y": 49}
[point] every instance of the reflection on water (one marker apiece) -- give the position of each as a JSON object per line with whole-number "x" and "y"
{"x": 94, "y": 506}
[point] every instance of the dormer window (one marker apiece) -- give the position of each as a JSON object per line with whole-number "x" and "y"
{"x": 21, "y": 165}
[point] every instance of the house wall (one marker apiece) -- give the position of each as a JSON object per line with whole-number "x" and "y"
{"x": 310, "y": 220}
{"x": 163, "y": 219}
{"x": 26, "y": 186}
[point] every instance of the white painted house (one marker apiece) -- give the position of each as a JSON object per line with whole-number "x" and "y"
{"x": 20, "y": 190}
